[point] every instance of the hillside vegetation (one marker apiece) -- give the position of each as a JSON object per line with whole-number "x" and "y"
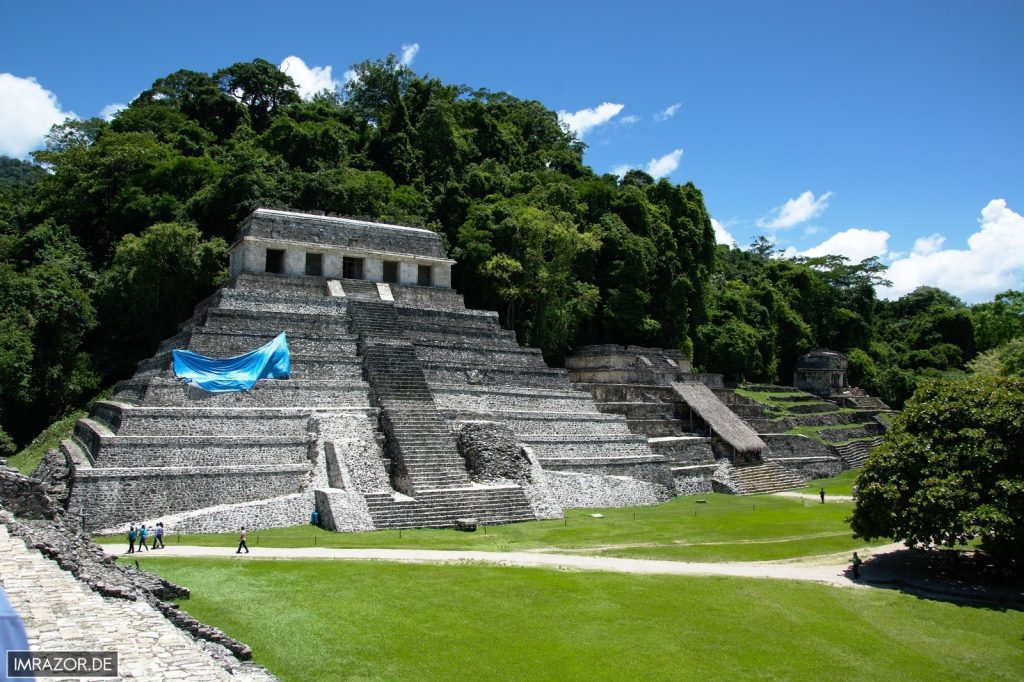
{"x": 120, "y": 227}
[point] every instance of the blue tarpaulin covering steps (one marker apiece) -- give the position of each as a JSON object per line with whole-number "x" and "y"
{"x": 240, "y": 373}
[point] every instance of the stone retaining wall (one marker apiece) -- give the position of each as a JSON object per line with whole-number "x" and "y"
{"x": 790, "y": 445}
{"x": 654, "y": 473}
{"x": 810, "y": 468}
{"x": 110, "y": 497}
{"x": 575, "y": 490}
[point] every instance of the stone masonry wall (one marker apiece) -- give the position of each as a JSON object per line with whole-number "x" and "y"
{"x": 575, "y": 490}
{"x": 113, "y": 497}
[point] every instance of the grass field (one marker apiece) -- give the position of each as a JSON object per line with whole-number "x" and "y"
{"x": 333, "y": 620}
{"x": 837, "y": 485}
{"x": 721, "y": 528}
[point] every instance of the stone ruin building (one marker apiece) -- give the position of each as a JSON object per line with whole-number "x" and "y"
{"x": 821, "y": 372}
{"x": 404, "y": 408}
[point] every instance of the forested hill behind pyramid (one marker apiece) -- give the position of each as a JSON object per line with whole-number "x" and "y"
{"x": 108, "y": 248}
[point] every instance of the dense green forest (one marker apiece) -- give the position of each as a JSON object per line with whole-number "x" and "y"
{"x": 119, "y": 227}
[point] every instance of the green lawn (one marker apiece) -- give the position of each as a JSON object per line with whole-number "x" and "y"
{"x": 838, "y": 485}
{"x": 332, "y": 620}
{"x": 722, "y": 528}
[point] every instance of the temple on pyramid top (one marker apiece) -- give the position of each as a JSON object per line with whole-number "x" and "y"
{"x": 289, "y": 243}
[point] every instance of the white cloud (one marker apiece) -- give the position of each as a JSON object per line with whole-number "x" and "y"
{"x": 795, "y": 211}
{"x": 657, "y": 168}
{"x": 722, "y": 235}
{"x": 664, "y": 165}
{"x": 629, "y": 120}
{"x": 926, "y": 245}
{"x": 27, "y": 112}
{"x": 668, "y": 112}
{"x": 107, "y": 113}
{"x": 409, "y": 52}
{"x": 992, "y": 262}
{"x": 310, "y": 79}
{"x": 855, "y": 243}
{"x": 584, "y": 120}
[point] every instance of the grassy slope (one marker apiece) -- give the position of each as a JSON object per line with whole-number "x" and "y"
{"x": 724, "y": 528}
{"x": 780, "y": 409}
{"x": 309, "y": 620}
{"x": 26, "y": 460}
{"x": 838, "y": 485}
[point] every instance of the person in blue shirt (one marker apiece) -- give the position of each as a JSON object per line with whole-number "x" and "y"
{"x": 12, "y": 634}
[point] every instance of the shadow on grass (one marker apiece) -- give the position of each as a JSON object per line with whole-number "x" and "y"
{"x": 944, "y": 575}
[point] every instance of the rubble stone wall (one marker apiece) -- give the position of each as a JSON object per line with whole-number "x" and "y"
{"x": 115, "y": 496}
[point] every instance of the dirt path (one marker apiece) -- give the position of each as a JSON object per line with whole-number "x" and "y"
{"x": 829, "y": 569}
{"x": 815, "y": 497}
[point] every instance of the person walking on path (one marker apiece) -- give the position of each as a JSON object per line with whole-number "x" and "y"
{"x": 241, "y": 542}
{"x": 158, "y": 536}
{"x": 142, "y": 538}
{"x": 131, "y": 539}
{"x": 856, "y": 561}
{"x": 822, "y": 493}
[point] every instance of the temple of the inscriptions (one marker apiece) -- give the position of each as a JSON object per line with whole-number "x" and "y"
{"x": 404, "y": 408}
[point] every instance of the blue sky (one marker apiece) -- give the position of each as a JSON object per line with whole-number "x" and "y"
{"x": 867, "y": 128}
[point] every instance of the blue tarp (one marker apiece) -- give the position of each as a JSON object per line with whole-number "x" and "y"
{"x": 12, "y": 633}
{"x": 240, "y": 373}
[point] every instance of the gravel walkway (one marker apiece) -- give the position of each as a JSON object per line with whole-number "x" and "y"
{"x": 829, "y": 569}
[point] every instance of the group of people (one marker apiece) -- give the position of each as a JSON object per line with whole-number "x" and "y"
{"x": 139, "y": 537}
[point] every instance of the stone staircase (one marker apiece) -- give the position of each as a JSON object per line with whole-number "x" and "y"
{"x": 440, "y": 508}
{"x": 862, "y": 402}
{"x": 423, "y": 451}
{"x": 856, "y": 453}
{"x": 760, "y": 478}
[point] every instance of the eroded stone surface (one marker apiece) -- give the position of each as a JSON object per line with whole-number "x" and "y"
{"x": 62, "y": 614}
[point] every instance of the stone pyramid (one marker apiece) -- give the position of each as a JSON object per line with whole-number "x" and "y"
{"x": 404, "y": 408}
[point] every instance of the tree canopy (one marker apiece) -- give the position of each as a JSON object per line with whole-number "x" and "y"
{"x": 950, "y": 469}
{"x": 119, "y": 218}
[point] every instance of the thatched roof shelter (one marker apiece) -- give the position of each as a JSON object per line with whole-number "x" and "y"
{"x": 722, "y": 421}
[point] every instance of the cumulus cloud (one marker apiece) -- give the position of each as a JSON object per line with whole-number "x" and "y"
{"x": 27, "y": 112}
{"x": 795, "y": 211}
{"x": 108, "y": 112}
{"x": 722, "y": 235}
{"x": 585, "y": 120}
{"x": 409, "y": 52}
{"x": 992, "y": 262}
{"x": 664, "y": 165}
{"x": 926, "y": 245}
{"x": 855, "y": 243}
{"x": 309, "y": 79}
{"x": 657, "y": 168}
{"x": 668, "y": 112}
